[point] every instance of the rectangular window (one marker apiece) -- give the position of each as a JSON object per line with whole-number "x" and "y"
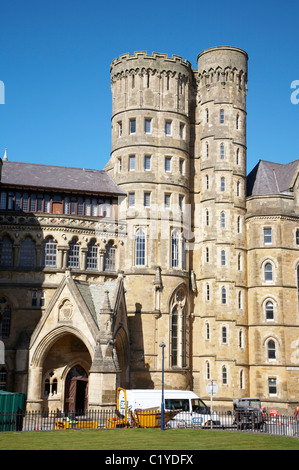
{"x": 119, "y": 165}
{"x": 147, "y": 199}
{"x": 132, "y": 126}
{"x": 147, "y": 126}
{"x": 221, "y": 116}
{"x": 167, "y": 201}
{"x": 267, "y": 236}
{"x": 120, "y": 129}
{"x": 147, "y": 163}
{"x": 182, "y": 130}
{"x": 32, "y": 202}
{"x": 272, "y": 386}
{"x": 168, "y": 164}
{"x": 182, "y": 164}
{"x": 3, "y": 200}
{"x": 181, "y": 203}
{"x": 132, "y": 163}
{"x": 167, "y": 127}
{"x": 131, "y": 199}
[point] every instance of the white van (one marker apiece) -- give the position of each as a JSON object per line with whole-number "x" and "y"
{"x": 194, "y": 412}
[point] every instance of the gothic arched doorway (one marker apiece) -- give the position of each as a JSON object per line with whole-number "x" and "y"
{"x": 76, "y": 390}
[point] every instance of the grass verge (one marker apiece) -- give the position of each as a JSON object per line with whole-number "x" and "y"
{"x": 144, "y": 439}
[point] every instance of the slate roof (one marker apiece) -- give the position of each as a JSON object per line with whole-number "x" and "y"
{"x": 38, "y": 176}
{"x": 94, "y": 295}
{"x": 271, "y": 178}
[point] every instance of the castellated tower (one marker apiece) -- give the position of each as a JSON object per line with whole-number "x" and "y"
{"x": 219, "y": 255}
{"x": 150, "y": 161}
{"x": 179, "y": 152}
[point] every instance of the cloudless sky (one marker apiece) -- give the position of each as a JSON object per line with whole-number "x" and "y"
{"x": 55, "y": 61}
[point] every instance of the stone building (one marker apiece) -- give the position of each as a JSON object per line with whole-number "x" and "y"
{"x": 172, "y": 242}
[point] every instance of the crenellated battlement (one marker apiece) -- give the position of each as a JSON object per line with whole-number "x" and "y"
{"x": 141, "y": 62}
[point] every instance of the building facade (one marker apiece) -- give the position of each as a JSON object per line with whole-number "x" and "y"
{"x": 172, "y": 242}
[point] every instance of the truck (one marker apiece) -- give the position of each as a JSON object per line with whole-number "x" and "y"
{"x": 188, "y": 410}
{"x": 248, "y": 413}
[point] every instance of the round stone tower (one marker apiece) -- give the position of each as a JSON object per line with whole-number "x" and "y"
{"x": 220, "y": 350}
{"x": 150, "y": 160}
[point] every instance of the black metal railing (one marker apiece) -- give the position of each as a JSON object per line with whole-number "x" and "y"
{"x": 110, "y": 419}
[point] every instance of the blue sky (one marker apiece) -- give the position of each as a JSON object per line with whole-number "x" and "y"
{"x": 55, "y": 61}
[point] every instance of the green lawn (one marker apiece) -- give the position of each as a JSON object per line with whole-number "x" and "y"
{"x": 144, "y": 439}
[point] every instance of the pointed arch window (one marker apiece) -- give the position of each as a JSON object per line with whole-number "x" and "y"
{"x": 27, "y": 253}
{"x": 74, "y": 254}
{"x": 271, "y": 349}
{"x": 6, "y": 251}
{"x": 140, "y": 247}
{"x": 269, "y": 310}
{"x": 109, "y": 257}
{"x": 49, "y": 257}
{"x": 179, "y": 333}
{"x": 175, "y": 249}
{"x": 268, "y": 272}
{"x": 92, "y": 255}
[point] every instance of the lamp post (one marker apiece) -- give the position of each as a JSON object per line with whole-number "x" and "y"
{"x": 162, "y": 345}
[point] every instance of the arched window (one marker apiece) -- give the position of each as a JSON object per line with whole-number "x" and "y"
{"x": 92, "y": 255}
{"x": 109, "y": 257}
{"x": 5, "y": 314}
{"x": 208, "y": 331}
{"x": 174, "y": 250}
{"x": 140, "y": 247}
{"x": 269, "y": 310}
{"x": 208, "y": 374}
{"x": 179, "y": 329}
{"x": 268, "y": 271}
{"x": 74, "y": 254}
{"x": 241, "y": 378}
{"x": 241, "y": 339}
{"x": 174, "y": 337}
{"x": 271, "y": 348}
{"x": 49, "y": 256}
{"x": 240, "y": 299}
{"x": 27, "y": 253}
{"x": 6, "y": 251}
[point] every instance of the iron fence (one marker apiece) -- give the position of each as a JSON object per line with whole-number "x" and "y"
{"x": 108, "y": 419}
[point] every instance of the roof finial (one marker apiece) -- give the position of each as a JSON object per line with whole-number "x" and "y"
{"x": 5, "y": 159}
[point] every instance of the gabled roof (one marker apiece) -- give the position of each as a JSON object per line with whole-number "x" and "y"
{"x": 272, "y": 178}
{"x": 37, "y": 176}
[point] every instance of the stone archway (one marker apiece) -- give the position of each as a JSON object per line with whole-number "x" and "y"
{"x": 49, "y": 370}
